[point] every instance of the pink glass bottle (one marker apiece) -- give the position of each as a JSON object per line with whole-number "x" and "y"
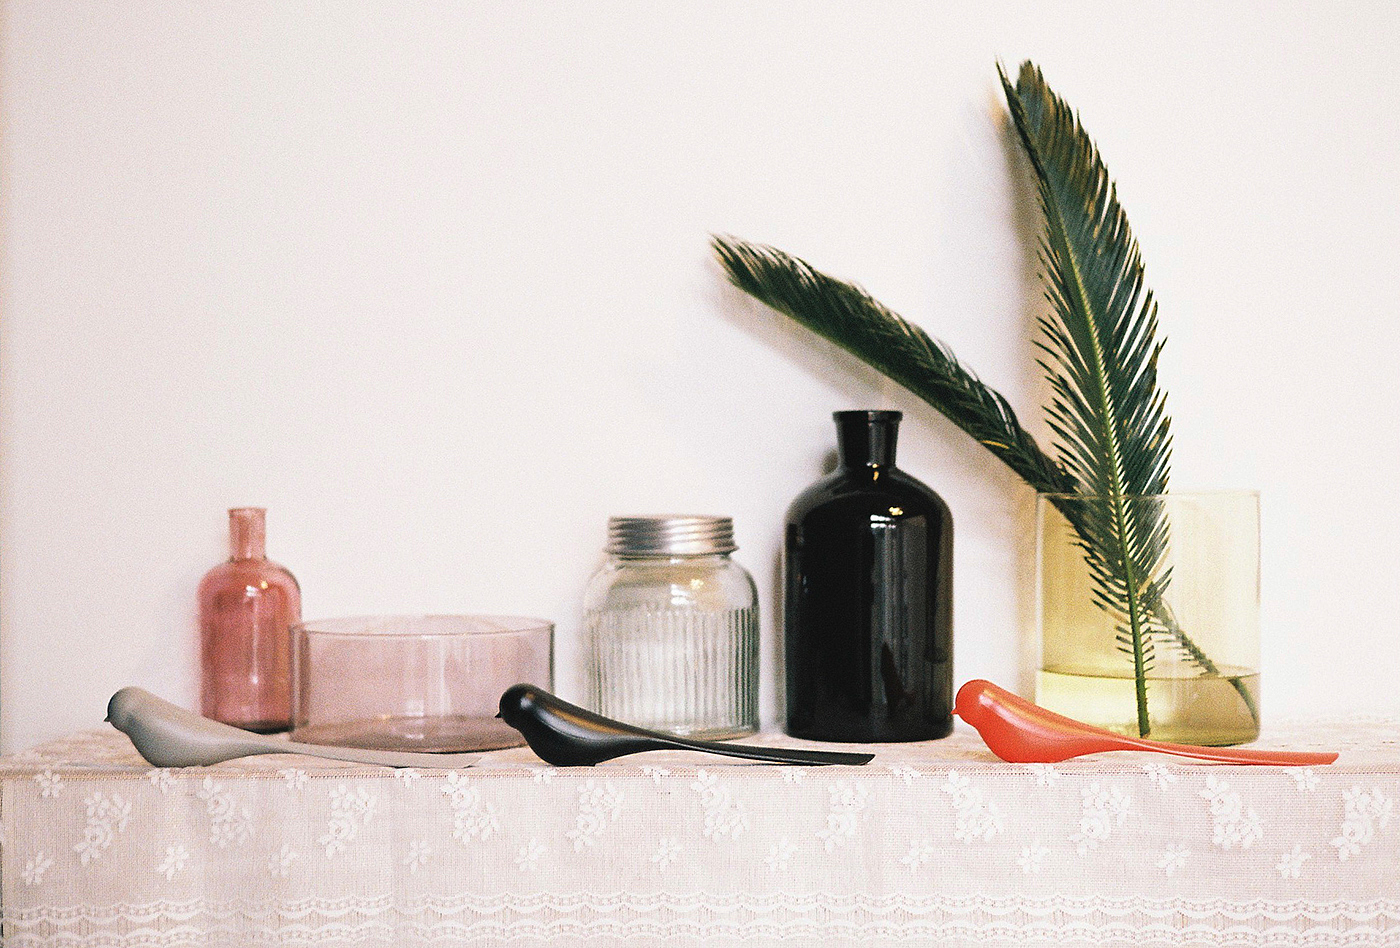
{"x": 247, "y": 607}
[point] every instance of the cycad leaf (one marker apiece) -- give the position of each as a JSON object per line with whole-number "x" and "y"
{"x": 1100, "y": 355}
{"x": 848, "y": 316}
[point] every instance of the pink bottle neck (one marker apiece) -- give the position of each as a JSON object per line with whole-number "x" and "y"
{"x": 247, "y": 533}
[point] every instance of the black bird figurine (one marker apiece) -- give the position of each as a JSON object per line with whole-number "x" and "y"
{"x": 566, "y": 735}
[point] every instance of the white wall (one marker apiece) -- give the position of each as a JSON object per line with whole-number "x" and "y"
{"x": 430, "y": 281}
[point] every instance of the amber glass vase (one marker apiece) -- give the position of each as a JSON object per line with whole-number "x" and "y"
{"x": 1201, "y": 635}
{"x": 247, "y": 607}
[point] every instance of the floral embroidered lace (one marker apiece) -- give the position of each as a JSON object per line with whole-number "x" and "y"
{"x": 930, "y": 844}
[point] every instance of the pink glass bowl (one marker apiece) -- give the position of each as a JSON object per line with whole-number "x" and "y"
{"x": 423, "y": 683}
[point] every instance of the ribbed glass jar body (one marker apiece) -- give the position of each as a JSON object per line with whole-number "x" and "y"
{"x": 673, "y": 644}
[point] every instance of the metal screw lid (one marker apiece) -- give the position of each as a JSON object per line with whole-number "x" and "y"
{"x": 670, "y": 535}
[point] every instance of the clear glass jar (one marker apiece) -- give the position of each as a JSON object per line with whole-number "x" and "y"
{"x": 672, "y": 628}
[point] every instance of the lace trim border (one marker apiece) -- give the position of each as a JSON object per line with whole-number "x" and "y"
{"x": 609, "y": 918}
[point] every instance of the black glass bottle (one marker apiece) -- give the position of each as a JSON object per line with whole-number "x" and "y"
{"x": 868, "y": 612}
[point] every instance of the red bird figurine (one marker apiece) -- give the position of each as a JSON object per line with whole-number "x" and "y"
{"x": 1024, "y": 733}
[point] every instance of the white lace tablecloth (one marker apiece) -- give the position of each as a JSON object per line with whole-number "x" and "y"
{"x": 931, "y": 844}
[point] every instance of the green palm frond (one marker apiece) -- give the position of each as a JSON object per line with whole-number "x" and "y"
{"x": 1100, "y": 356}
{"x": 848, "y": 316}
{"x": 1099, "y": 352}
{"x": 1101, "y": 360}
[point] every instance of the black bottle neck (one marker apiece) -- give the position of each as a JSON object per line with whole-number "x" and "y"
{"x": 866, "y": 438}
